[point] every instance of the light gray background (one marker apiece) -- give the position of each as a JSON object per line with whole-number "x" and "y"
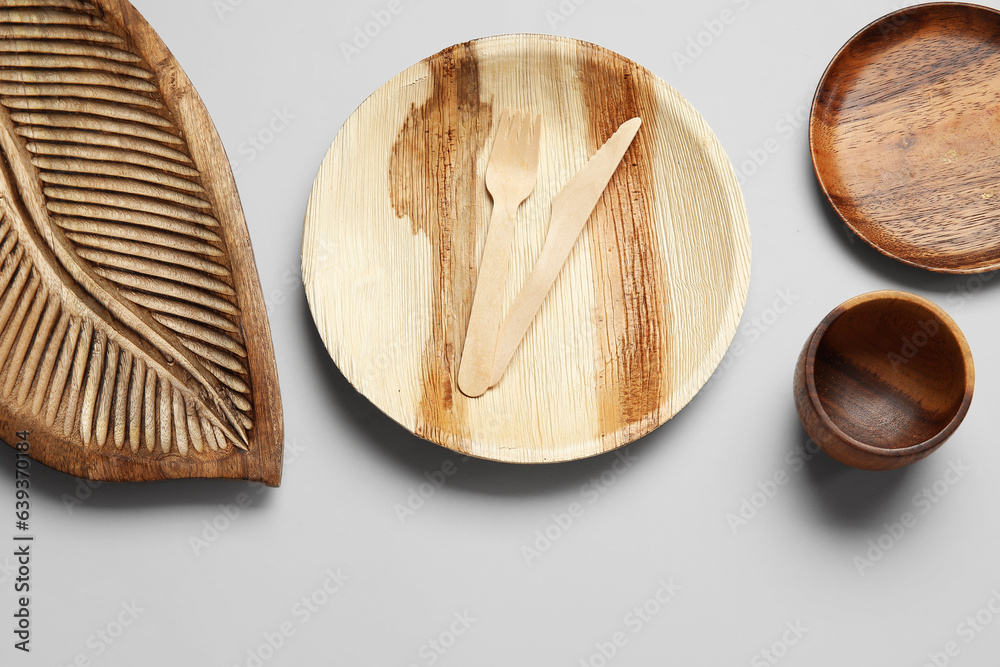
{"x": 348, "y": 468}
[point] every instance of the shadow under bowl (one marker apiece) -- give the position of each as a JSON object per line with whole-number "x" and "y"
{"x": 884, "y": 380}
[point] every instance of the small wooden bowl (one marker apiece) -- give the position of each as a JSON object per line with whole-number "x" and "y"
{"x": 904, "y": 136}
{"x": 884, "y": 380}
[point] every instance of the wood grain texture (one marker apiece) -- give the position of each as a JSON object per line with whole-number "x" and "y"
{"x": 884, "y": 380}
{"x": 643, "y": 310}
{"x": 135, "y": 343}
{"x": 905, "y": 136}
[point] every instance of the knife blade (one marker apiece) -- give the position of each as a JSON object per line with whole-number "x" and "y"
{"x": 571, "y": 209}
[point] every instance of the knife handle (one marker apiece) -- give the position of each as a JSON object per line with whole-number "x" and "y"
{"x": 559, "y": 242}
{"x": 571, "y": 210}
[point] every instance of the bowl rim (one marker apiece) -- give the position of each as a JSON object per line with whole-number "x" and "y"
{"x": 890, "y": 295}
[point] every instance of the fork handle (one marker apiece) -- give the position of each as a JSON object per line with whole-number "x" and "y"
{"x": 484, "y": 321}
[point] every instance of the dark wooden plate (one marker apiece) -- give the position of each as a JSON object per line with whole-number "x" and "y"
{"x": 905, "y": 136}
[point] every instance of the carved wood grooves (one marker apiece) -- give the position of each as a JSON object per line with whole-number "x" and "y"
{"x": 119, "y": 309}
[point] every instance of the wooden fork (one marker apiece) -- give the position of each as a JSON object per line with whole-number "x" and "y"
{"x": 510, "y": 178}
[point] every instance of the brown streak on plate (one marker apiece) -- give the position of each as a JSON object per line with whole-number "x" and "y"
{"x": 434, "y": 182}
{"x": 631, "y": 342}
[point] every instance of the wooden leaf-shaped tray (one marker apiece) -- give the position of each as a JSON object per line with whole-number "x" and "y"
{"x": 643, "y": 310}
{"x": 134, "y": 342}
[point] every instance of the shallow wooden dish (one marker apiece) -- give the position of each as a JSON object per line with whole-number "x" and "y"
{"x": 884, "y": 380}
{"x": 642, "y": 312}
{"x": 905, "y": 136}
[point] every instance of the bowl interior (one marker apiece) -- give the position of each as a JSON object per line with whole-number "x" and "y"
{"x": 889, "y": 373}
